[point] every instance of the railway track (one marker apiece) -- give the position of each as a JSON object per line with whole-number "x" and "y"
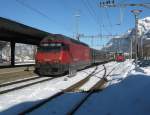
{"x": 71, "y": 88}
{"x": 62, "y": 92}
{"x": 19, "y": 84}
{"x": 16, "y": 85}
{"x": 5, "y": 88}
{"x": 97, "y": 86}
{"x": 18, "y": 81}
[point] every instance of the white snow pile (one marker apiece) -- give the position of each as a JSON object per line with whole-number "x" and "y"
{"x": 129, "y": 97}
{"x": 144, "y": 25}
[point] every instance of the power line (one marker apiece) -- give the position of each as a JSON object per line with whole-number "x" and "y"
{"x": 120, "y": 16}
{"x": 102, "y": 25}
{"x": 96, "y": 16}
{"x": 90, "y": 12}
{"x": 41, "y": 13}
{"x": 92, "y": 9}
{"x": 96, "y": 20}
{"x": 93, "y": 14}
{"x": 107, "y": 14}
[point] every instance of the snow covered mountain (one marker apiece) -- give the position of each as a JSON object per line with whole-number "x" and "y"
{"x": 122, "y": 43}
{"x": 144, "y": 25}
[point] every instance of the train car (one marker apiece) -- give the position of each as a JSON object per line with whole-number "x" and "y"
{"x": 99, "y": 56}
{"x": 57, "y": 53}
{"x": 119, "y": 57}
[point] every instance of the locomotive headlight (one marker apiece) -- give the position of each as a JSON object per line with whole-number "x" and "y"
{"x": 60, "y": 58}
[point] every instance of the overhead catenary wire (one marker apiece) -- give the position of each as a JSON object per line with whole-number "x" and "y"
{"x": 108, "y": 18}
{"x": 99, "y": 22}
{"x": 93, "y": 11}
{"x": 93, "y": 14}
{"x": 90, "y": 12}
{"x": 121, "y": 13}
{"x": 104, "y": 26}
{"x": 42, "y": 14}
{"x": 96, "y": 17}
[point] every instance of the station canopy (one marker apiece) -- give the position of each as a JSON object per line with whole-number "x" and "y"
{"x": 13, "y": 31}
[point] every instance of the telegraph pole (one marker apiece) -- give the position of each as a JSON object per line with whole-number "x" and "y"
{"x": 136, "y": 14}
{"x": 77, "y": 15}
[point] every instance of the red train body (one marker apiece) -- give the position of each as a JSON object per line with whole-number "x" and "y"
{"x": 55, "y": 55}
{"x": 120, "y": 57}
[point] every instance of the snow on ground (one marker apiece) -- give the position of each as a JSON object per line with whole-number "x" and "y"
{"x": 120, "y": 72}
{"x": 126, "y": 94}
{"x": 100, "y": 73}
{"x": 67, "y": 101}
{"x": 17, "y": 101}
{"x": 60, "y": 105}
{"x": 129, "y": 97}
{"x": 147, "y": 70}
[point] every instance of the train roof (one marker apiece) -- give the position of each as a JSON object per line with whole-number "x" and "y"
{"x": 62, "y": 37}
{"x": 96, "y": 50}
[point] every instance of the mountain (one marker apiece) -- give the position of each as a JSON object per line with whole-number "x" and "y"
{"x": 144, "y": 25}
{"x": 122, "y": 42}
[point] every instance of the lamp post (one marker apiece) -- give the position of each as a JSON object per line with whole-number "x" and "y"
{"x": 136, "y": 14}
{"x": 131, "y": 48}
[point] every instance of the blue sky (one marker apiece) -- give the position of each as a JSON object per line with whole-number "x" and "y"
{"x": 57, "y": 16}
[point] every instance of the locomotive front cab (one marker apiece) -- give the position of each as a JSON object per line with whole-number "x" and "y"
{"x": 51, "y": 58}
{"x": 120, "y": 57}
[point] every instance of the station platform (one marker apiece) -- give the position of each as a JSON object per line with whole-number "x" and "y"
{"x": 16, "y": 73}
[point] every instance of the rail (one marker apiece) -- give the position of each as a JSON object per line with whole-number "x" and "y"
{"x": 71, "y": 88}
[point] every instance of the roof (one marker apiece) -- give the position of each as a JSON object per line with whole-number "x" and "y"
{"x": 62, "y": 37}
{"x": 17, "y": 32}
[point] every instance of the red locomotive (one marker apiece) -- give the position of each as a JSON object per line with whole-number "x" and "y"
{"x": 57, "y": 53}
{"x": 119, "y": 57}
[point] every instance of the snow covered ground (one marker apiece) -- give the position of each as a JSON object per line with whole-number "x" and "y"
{"x": 126, "y": 93}
{"x": 17, "y": 101}
{"x": 129, "y": 97}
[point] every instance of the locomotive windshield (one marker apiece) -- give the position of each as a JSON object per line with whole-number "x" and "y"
{"x": 46, "y": 47}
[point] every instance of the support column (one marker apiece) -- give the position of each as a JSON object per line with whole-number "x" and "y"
{"x": 12, "y": 53}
